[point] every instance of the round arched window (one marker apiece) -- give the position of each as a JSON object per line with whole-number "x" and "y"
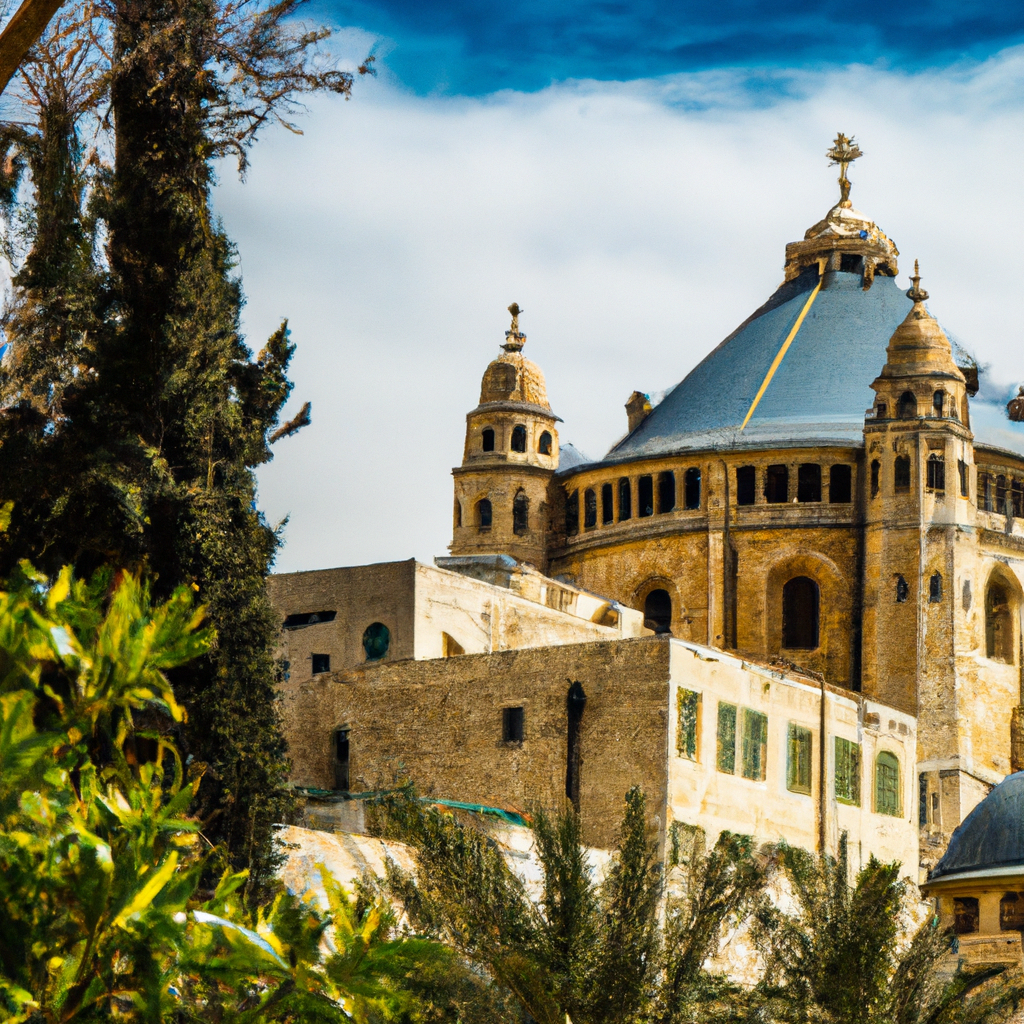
{"x": 544, "y": 445}
{"x": 658, "y": 611}
{"x": 376, "y": 641}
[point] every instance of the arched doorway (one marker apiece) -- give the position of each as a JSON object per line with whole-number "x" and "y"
{"x": 658, "y": 611}
{"x": 800, "y": 614}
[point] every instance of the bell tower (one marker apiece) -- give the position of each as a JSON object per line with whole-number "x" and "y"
{"x": 510, "y": 456}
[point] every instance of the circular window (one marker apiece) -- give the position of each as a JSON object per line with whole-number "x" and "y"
{"x": 376, "y": 641}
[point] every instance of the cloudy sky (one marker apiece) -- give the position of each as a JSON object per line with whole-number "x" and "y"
{"x": 630, "y": 174}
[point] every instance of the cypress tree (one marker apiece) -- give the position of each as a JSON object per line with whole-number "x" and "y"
{"x": 133, "y": 441}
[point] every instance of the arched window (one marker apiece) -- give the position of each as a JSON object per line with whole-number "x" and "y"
{"x": 887, "y": 784}
{"x": 666, "y": 491}
{"x": 901, "y": 474}
{"x": 458, "y": 512}
{"x": 487, "y": 439}
{"x": 376, "y": 641}
{"x": 483, "y": 514}
{"x": 645, "y": 496}
{"x": 999, "y": 624}
{"x": 800, "y": 600}
{"x": 939, "y": 403}
{"x": 544, "y": 444}
{"x": 607, "y": 506}
{"x": 658, "y": 611}
{"x": 340, "y": 750}
{"x": 876, "y": 468}
{"x": 572, "y": 514}
{"x": 575, "y": 703}
{"x": 521, "y": 513}
{"x": 902, "y": 589}
{"x": 519, "y": 438}
{"x": 907, "y": 408}
{"x": 589, "y": 508}
{"x": 935, "y": 588}
{"x": 691, "y": 488}
{"x": 936, "y": 472}
{"x": 625, "y": 499}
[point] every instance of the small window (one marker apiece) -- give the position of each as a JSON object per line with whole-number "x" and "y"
{"x": 726, "y": 757}
{"x": 746, "y": 485}
{"x": 625, "y": 500}
{"x": 572, "y": 514}
{"x": 935, "y": 588}
{"x": 658, "y": 611}
{"x": 965, "y": 483}
{"x": 876, "y": 469}
{"x": 850, "y": 263}
{"x": 340, "y": 745}
{"x": 376, "y": 641}
{"x": 902, "y": 589}
{"x": 607, "y": 505}
{"x": 589, "y": 509}
{"x": 1011, "y": 912}
{"x": 755, "y": 745}
{"x": 999, "y": 630}
{"x": 847, "y": 774}
{"x": 776, "y": 485}
{"x": 521, "y": 514}
{"x": 887, "y": 784}
{"x": 922, "y": 800}
{"x": 691, "y": 488}
{"x": 458, "y": 513}
{"x": 965, "y": 915}
{"x": 985, "y": 492}
{"x": 936, "y": 473}
{"x": 939, "y": 403}
{"x": 483, "y": 514}
{"x": 798, "y": 759}
{"x": 321, "y": 663}
{"x": 544, "y": 444}
{"x": 881, "y": 411}
{"x": 519, "y": 438}
{"x": 800, "y": 609}
{"x": 808, "y": 482}
{"x": 666, "y": 491}
{"x": 645, "y": 496}
{"x": 487, "y": 439}
{"x": 513, "y": 722}
{"x": 297, "y": 620}
{"x": 1001, "y": 495}
{"x": 901, "y": 474}
{"x": 840, "y": 489}
{"x": 688, "y": 706}
{"x": 907, "y": 408}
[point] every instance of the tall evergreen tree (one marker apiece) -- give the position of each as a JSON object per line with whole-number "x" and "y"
{"x": 132, "y": 441}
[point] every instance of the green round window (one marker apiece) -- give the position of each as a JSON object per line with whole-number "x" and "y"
{"x": 376, "y": 641}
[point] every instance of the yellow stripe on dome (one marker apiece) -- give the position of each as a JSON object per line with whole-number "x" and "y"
{"x": 782, "y": 351}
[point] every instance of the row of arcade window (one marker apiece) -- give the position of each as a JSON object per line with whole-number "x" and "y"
{"x": 966, "y": 914}
{"x": 742, "y": 748}
{"x": 655, "y": 496}
{"x": 1001, "y": 494}
{"x": 517, "y": 442}
{"x": 935, "y": 475}
{"x": 520, "y": 514}
{"x": 808, "y": 484}
{"x": 943, "y": 407}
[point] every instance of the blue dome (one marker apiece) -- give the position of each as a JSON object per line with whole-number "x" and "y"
{"x": 819, "y": 393}
{"x": 991, "y": 836}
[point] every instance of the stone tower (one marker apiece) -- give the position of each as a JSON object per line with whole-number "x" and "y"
{"x": 511, "y": 454}
{"x": 919, "y": 550}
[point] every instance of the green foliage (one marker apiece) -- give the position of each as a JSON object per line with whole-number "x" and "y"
{"x": 101, "y": 859}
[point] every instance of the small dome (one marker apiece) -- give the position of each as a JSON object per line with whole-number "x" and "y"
{"x": 991, "y": 836}
{"x": 513, "y": 378}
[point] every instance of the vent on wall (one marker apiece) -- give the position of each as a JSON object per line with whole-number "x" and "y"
{"x": 300, "y": 619}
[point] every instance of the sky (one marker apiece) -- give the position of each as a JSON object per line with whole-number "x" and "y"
{"x": 630, "y": 175}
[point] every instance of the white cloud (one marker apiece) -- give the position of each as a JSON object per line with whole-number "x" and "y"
{"x": 637, "y": 224}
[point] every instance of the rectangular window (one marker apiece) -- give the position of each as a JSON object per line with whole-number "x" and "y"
{"x": 840, "y": 489}
{"x": 512, "y": 724}
{"x": 726, "y": 761}
{"x": 589, "y": 509}
{"x": 625, "y": 499}
{"x": 776, "y": 485}
{"x": 746, "y": 477}
{"x": 985, "y": 492}
{"x": 572, "y": 514}
{"x": 755, "y": 744}
{"x": 1017, "y": 495}
{"x": 901, "y": 473}
{"x": 321, "y": 663}
{"x": 645, "y": 496}
{"x": 688, "y": 706}
{"x": 666, "y": 491}
{"x": 798, "y": 759}
{"x": 607, "y": 508}
{"x": 922, "y": 799}
{"x": 875, "y": 468}
{"x": 808, "y": 482}
{"x": 847, "y": 771}
{"x": 887, "y": 784}
{"x": 936, "y": 473}
{"x": 965, "y": 488}
{"x": 691, "y": 484}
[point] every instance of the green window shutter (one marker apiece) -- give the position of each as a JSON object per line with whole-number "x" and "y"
{"x": 755, "y": 744}
{"x": 798, "y": 760}
{"x": 726, "y": 738}
{"x": 847, "y": 772}
{"x": 687, "y": 703}
{"x": 887, "y": 784}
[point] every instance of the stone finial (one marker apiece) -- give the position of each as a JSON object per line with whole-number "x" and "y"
{"x": 917, "y": 293}
{"x": 514, "y": 339}
{"x": 843, "y": 152}
{"x": 1015, "y": 406}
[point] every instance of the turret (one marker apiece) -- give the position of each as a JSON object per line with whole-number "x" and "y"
{"x": 511, "y": 453}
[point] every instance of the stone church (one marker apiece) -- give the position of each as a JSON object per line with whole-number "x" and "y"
{"x": 801, "y": 570}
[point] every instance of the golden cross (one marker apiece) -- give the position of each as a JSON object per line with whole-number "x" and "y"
{"x": 843, "y": 152}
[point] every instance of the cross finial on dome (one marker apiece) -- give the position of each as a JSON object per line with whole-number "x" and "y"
{"x": 917, "y": 293}
{"x": 843, "y": 152}
{"x": 514, "y": 340}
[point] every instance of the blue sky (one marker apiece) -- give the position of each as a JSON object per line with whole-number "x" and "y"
{"x": 630, "y": 175}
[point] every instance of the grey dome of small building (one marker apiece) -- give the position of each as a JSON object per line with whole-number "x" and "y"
{"x": 991, "y": 838}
